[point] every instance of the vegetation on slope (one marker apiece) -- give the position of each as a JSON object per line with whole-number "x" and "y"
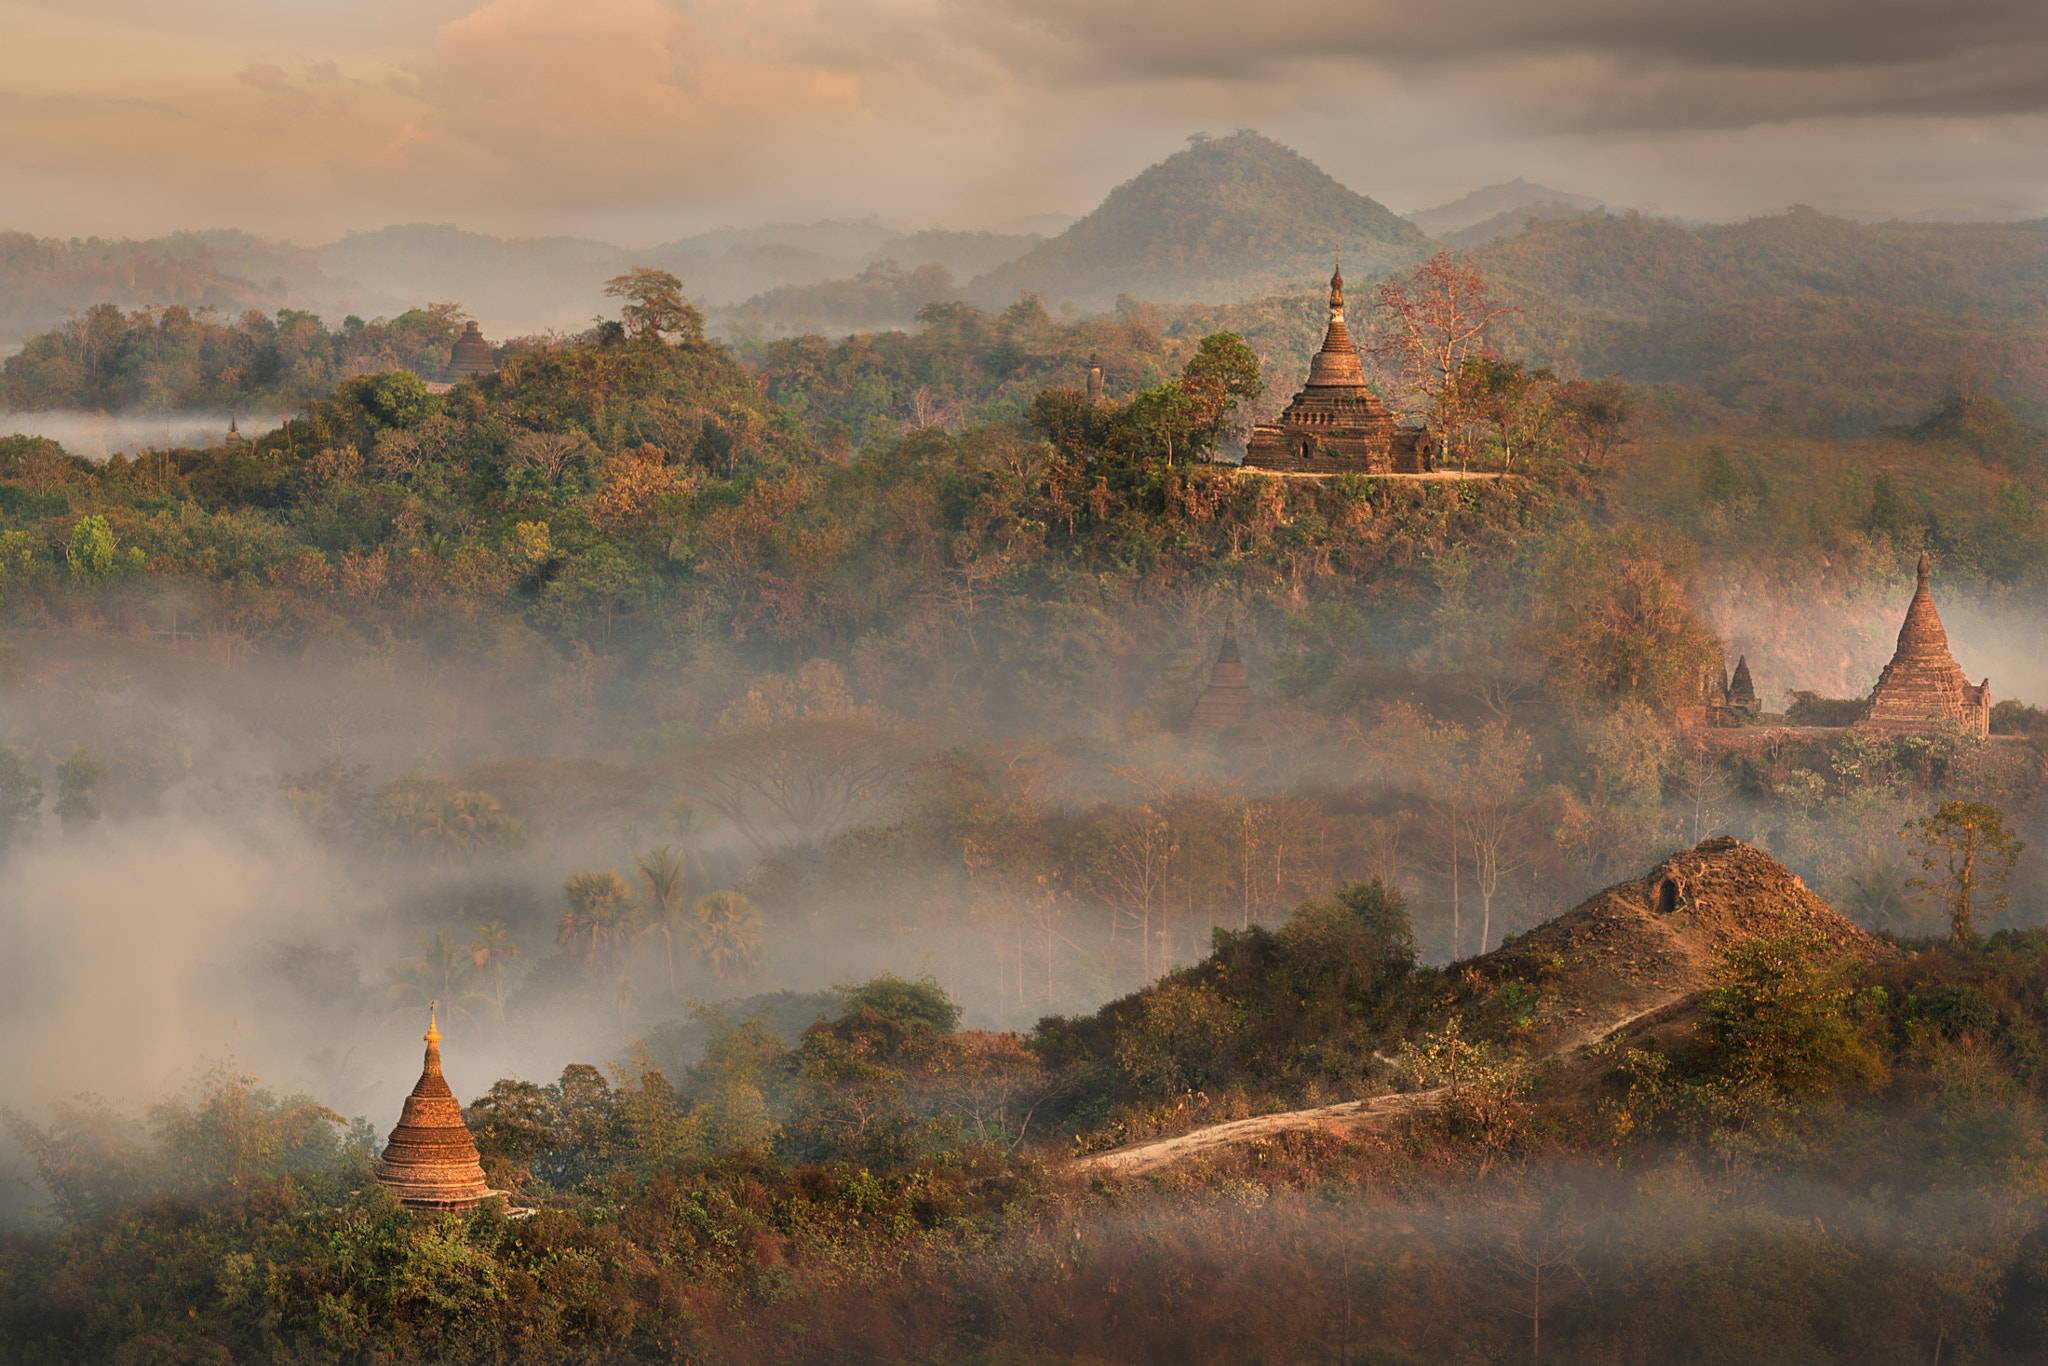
{"x": 1229, "y": 218}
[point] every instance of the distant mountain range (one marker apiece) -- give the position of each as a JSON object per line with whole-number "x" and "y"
{"x": 1237, "y": 232}
{"x": 1499, "y": 211}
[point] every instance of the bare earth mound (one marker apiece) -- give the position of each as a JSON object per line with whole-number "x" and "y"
{"x": 1633, "y": 950}
{"x": 1642, "y": 944}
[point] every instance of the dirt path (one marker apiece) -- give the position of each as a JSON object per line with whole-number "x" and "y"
{"x": 1353, "y": 1116}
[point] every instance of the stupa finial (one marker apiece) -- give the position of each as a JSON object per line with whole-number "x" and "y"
{"x": 1923, "y": 569}
{"x": 433, "y": 1034}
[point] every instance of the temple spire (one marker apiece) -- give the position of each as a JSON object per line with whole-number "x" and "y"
{"x": 1923, "y": 571}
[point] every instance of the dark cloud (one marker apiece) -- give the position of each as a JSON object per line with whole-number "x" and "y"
{"x": 1588, "y": 63}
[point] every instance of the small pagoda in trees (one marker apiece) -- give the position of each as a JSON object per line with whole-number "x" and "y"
{"x": 1227, "y": 701}
{"x": 1923, "y": 687}
{"x": 1336, "y": 424}
{"x": 430, "y": 1161}
{"x": 471, "y": 355}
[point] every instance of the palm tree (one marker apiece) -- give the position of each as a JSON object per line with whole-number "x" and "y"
{"x": 600, "y": 911}
{"x": 493, "y": 946}
{"x": 430, "y": 976}
{"x": 728, "y": 936}
{"x": 667, "y": 877}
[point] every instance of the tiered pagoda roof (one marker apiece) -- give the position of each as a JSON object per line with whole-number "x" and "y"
{"x": 1923, "y": 686}
{"x": 472, "y": 355}
{"x": 430, "y": 1162}
{"x": 1337, "y": 424}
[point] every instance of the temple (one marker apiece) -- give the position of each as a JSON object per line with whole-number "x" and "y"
{"x": 1923, "y": 687}
{"x": 1228, "y": 699}
{"x": 472, "y": 355}
{"x": 1336, "y": 425}
{"x": 430, "y": 1162}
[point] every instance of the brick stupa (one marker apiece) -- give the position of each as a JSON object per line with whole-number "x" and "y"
{"x": 1337, "y": 424}
{"x": 472, "y": 355}
{"x": 1228, "y": 699}
{"x": 430, "y": 1162}
{"x": 1923, "y": 686}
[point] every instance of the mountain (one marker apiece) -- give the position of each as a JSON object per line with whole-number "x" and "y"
{"x": 1506, "y": 205}
{"x": 512, "y": 285}
{"x": 42, "y": 279}
{"x": 1227, "y": 219}
{"x": 1850, "y": 325}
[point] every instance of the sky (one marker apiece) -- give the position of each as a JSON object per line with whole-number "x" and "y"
{"x": 639, "y": 121}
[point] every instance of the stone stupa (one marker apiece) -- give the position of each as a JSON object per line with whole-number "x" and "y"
{"x": 471, "y": 355}
{"x": 430, "y": 1162}
{"x": 1227, "y": 701}
{"x": 1923, "y": 686}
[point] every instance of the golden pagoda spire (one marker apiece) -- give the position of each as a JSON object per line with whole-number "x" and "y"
{"x": 433, "y": 1034}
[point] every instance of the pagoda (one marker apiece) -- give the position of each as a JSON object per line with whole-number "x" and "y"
{"x": 1336, "y": 424}
{"x": 472, "y": 355}
{"x": 1227, "y": 701}
{"x": 430, "y": 1162}
{"x": 1923, "y": 687}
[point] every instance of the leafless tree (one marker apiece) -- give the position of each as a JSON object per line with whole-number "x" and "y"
{"x": 551, "y": 452}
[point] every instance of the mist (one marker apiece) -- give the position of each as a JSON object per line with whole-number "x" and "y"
{"x": 100, "y": 435}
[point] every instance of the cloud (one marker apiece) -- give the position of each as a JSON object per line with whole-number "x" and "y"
{"x": 586, "y": 115}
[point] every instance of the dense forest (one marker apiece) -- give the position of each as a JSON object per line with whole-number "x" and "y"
{"x": 785, "y": 747}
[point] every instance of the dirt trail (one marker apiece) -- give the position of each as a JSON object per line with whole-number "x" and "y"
{"x": 1632, "y": 951}
{"x": 1371, "y": 1115}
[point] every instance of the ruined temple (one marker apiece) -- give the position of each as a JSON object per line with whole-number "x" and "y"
{"x": 430, "y": 1162}
{"x": 472, "y": 355}
{"x": 1923, "y": 686}
{"x": 1336, "y": 425}
{"x": 1227, "y": 701}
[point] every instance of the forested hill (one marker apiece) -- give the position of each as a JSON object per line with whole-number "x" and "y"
{"x": 1837, "y": 326}
{"x": 1636, "y": 267}
{"x": 1229, "y": 218}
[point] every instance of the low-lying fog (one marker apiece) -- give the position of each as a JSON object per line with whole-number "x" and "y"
{"x": 100, "y": 435}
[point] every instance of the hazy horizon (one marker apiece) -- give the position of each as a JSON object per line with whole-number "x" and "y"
{"x": 532, "y": 117}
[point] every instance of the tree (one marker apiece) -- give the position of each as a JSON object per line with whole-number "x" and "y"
{"x": 655, "y": 308}
{"x": 78, "y": 782}
{"x": 600, "y": 916}
{"x": 90, "y": 555}
{"x": 1595, "y": 415}
{"x": 492, "y": 946}
{"x": 21, "y": 793}
{"x": 549, "y": 451}
{"x": 1426, "y": 326}
{"x": 1495, "y": 774}
{"x": 807, "y": 780}
{"x": 1621, "y": 625}
{"x": 1221, "y": 382}
{"x": 1968, "y": 844}
{"x": 666, "y": 876}
{"x": 1498, "y": 393}
{"x": 728, "y": 936}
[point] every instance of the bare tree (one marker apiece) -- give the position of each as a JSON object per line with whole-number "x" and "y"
{"x": 805, "y": 781}
{"x": 551, "y": 452}
{"x": 1496, "y": 777}
{"x": 1536, "y": 1258}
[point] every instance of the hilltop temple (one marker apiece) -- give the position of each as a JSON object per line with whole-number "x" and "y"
{"x": 430, "y": 1162}
{"x": 1923, "y": 686}
{"x": 1227, "y": 701}
{"x": 472, "y": 355}
{"x": 1336, "y": 425}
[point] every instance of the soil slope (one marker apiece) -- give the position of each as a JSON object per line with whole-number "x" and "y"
{"x": 1640, "y": 949}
